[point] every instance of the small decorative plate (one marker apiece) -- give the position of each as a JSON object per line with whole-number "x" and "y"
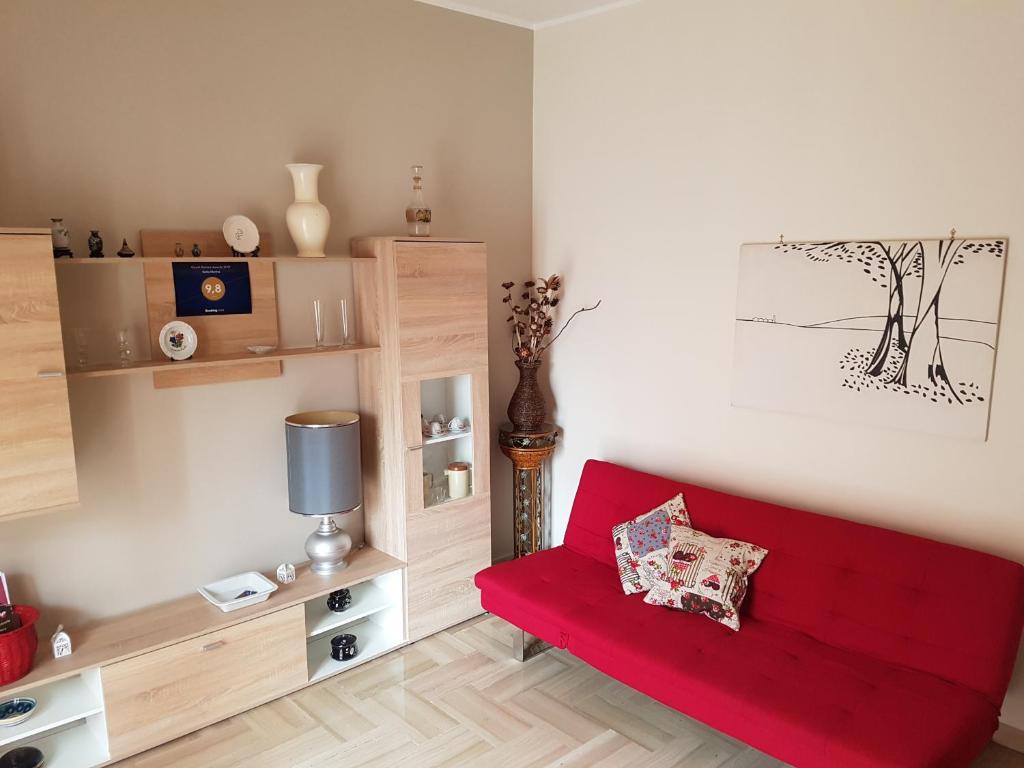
{"x": 16, "y": 711}
{"x": 178, "y": 340}
{"x": 241, "y": 233}
{"x": 261, "y": 349}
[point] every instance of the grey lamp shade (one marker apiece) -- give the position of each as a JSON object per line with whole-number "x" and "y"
{"x": 324, "y": 467}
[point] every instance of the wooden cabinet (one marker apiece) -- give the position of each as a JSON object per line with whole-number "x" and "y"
{"x": 161, "y": 695}
{"x": 37, "y": 457}
{"x": 424, "y": 303}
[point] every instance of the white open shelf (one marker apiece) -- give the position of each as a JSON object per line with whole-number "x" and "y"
{"x": 376, "y": 617}
{"x": 373, "y": 640}
{"x": 82, "y": 746}
{"x": 367, "y": 599}
{"x": 58, "y": 703}
{"x": 445, "y": 438}
{"x": 69, "y": 724}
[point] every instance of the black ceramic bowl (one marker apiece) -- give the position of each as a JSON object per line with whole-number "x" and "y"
{"x": 339, "y": 600}
{"x": 343, "y": 648}
{"x": 22, "y": 757}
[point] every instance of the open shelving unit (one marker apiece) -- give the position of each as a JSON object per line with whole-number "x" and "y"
{"x": 68, "y": 726}
{"x": 375, "y": 617}
{"x": 139, "y": 294}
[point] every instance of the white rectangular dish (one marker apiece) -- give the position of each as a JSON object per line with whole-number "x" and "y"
{"x": 227, "y": 593}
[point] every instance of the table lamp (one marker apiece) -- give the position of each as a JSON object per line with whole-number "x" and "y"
{"x": 324, "y": 479}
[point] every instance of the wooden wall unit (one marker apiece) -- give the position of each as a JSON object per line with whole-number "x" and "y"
{"x": 423, "y": 302}
{"x": 148, "y": 677}
{"x": 140, "y": 680}
{"x": 37, "y": 456}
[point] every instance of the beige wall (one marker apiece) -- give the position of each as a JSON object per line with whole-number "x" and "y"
{"x": 667, "y": 133}
{"x": 123, "y": 115}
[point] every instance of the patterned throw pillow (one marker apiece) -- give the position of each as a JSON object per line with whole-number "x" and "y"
{"x": 642, "y": 544}
{"x": 706, "y": 575}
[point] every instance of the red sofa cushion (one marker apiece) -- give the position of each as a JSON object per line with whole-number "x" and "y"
{"x": 937, "y": 608}
{"x": 772, "y": 686}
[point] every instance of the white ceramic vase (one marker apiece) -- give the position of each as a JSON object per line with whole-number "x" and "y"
{"x": 308, "y": 218}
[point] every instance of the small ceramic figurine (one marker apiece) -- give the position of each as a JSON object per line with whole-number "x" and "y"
{"x": 61, "y": 643}
{"x": 286, "y": 573}
{"x": 95, "y": 244}
{"x": 126, "y": 252}
{"x": 61, "y": 239}
{"x": 196, "y": 250}
{"x": 179, "y": 250}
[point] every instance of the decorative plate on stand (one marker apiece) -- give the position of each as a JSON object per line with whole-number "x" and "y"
{"x": 178, "y": 340}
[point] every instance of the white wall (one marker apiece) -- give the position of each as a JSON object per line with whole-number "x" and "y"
{"x": 667, "y": 133}
{"x": 152, "y": 114}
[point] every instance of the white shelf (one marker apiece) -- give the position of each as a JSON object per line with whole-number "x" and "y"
{"x": 367, "y": 599}
{"x": 76, "y": 747}
{"x": 447, "y": 437}
{"x": 373, "y": 640}
{"x": 58, "y": 703}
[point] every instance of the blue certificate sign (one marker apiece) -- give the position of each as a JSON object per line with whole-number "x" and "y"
{"x": 211, "y": 289}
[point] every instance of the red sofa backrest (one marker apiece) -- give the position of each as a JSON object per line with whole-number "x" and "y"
{"x": 945, "y": 610}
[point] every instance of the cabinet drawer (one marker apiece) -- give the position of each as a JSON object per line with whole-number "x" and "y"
{"x": 167, "y": 693}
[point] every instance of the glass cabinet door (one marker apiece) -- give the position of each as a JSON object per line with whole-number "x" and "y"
{"x": 446, "y": 429}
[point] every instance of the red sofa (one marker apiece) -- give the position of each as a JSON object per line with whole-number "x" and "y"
{"x": 859, "y": 646}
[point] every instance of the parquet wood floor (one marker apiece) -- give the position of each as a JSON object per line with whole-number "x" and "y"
{"x": 459, "y": 699}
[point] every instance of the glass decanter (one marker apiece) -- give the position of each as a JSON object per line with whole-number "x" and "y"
{"x": 417, "y": 214}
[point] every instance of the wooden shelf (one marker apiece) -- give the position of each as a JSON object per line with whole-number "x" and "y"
{"x": 164, "y": 624}
{"x": 86, "y": 261}
{"x": 208, "y": 362}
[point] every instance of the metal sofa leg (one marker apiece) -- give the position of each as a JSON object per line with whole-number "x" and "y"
{"x": 525, "y": 646}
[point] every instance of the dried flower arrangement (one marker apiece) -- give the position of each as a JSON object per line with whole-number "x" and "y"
{"x": 532, "y": 320}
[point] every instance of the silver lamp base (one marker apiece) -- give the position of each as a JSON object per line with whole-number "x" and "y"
{"x": 327, "y": 547}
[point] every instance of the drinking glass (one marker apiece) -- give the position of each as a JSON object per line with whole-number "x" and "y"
{"x": 346, "y": 339}
{"x": 318, "y": 323}
{"x": 124, "y": 349}
{"x": 81, "y": 346}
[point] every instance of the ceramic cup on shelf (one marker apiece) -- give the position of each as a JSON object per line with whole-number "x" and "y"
{"x": 458, "y": 479}
{"x": 458, "y": 424}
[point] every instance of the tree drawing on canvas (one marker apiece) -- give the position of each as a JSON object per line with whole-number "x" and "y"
{"x": 898, "y": 333}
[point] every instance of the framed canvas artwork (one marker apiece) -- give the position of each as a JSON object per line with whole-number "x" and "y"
{"x": 894, "y": 333}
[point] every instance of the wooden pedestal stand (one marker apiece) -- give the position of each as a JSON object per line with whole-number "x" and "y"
{"x": 528, "y": 451}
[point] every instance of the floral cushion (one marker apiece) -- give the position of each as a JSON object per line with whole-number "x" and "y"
{"x": 706, "y": 575}
{"x": 642, "y": 544}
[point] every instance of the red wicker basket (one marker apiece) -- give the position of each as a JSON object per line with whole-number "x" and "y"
{"x": 18, "y": 648}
